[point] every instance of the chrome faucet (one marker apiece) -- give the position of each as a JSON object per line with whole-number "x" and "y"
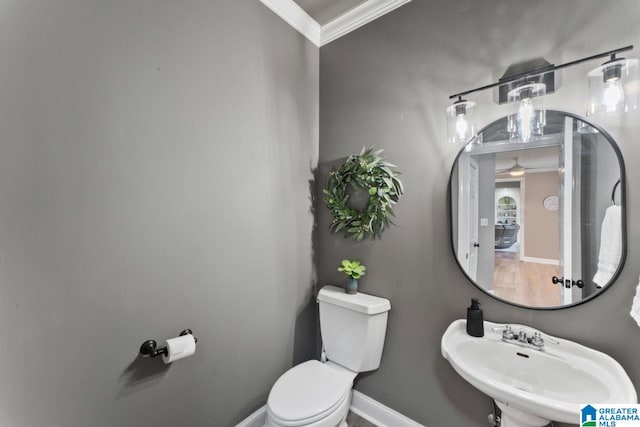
{"x": 522, "y": 336}
{"x": 521, "y": 339}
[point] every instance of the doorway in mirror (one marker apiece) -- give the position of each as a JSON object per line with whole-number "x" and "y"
{"x": 516, "y": 276}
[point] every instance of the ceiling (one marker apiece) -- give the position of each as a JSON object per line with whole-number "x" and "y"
{"x": 323, "y": 11}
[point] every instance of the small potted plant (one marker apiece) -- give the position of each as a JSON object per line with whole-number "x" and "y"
{"x": 354, "y": 270}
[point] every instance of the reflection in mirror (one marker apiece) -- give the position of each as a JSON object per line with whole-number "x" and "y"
{"x": 540, "y": 224}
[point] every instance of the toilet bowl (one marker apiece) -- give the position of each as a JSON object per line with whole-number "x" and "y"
{"x": 317, "y": 394}
{"x": 312, "y": 394}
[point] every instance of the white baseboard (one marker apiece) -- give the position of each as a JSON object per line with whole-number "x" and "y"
{"x": 378, "y": 414}
{"x": 362, "y": 405}
{"x": 540, "y": 260}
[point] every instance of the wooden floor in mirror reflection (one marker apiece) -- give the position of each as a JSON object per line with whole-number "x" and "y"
{"x": 526, "y": 283}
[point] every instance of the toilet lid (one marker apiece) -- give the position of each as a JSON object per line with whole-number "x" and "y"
{"x": 308, "y": 390}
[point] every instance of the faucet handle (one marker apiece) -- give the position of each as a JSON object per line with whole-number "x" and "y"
{"x": 507, "y": 332}
{"x": 537, "y": 340}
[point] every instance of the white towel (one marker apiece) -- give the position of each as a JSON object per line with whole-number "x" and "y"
{"x": 610, "y": 246}
{"x": 635, "y": 307}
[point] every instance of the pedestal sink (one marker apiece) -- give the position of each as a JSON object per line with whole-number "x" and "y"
{"x": 534, "y": 386}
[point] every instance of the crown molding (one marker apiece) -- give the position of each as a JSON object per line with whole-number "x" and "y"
{"x": 356, "y": 18}
{"x": 295, "y": 16}
{"x": 319, "y": 35}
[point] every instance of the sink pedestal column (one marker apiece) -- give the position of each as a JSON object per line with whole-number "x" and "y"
{"x": 512, "y": 417}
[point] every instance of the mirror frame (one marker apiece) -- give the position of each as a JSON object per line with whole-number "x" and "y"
{"x": 623, "y": 209}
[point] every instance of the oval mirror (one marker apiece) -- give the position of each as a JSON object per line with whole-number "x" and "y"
{"x": 540, "y": 224}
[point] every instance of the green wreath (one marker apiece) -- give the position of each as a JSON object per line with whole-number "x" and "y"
{"x": 364, "y": 171}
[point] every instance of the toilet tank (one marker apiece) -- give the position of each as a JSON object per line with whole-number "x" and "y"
{"x": 353, "y": 328}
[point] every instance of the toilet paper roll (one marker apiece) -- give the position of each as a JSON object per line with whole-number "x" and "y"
{"x": 179, "y": 348}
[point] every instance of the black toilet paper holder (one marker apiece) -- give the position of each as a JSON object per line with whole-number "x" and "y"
{"x": 148, "y": 348}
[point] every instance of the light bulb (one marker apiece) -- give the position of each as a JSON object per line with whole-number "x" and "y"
{"x": 613, "y": 87}
{"x": 527, "y": 122}
{"x": 461, "y": 124}
{"x": 525, "y": 117}
{"x": 462, "y": 127}
{"x": 613, "y": 95}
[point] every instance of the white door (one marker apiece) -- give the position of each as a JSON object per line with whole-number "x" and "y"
{"x": 468, "y": 215}
{"x": 473, "y": 219}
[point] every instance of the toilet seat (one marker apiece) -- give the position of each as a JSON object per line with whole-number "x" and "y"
{"x": 307, "y": 393}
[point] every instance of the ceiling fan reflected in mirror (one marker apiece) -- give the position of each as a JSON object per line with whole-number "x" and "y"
{"x": 527, "y": 161}
{"x": 517, "y": 169}
{"x": 511, "y": 167}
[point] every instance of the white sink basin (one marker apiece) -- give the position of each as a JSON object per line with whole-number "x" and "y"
{"x": 534, "y": 387}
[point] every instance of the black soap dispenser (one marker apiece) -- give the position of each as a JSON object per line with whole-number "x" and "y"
{"x": 475, "y": 322}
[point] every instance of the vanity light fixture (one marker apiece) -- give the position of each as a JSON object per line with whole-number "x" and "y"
{"x": 613, "y": 87}
{"x": 461, "y": 121}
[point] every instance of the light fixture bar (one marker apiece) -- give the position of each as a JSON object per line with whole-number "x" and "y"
{"x": 533, "y": 73}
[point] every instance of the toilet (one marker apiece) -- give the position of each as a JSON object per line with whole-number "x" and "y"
{"x": 318, "y": 393}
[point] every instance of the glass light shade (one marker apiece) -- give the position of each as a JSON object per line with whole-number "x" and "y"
{"x": 614, "y": 87}
{"x": 461, "y": 122}
{"x": 526, "y": 122}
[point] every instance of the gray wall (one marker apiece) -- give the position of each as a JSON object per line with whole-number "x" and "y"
{"x": 155, "y": 161}
{"x": 387, "y": 84}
